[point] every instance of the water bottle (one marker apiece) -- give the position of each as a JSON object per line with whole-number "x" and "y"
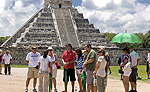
{"x": 75, "y": 89}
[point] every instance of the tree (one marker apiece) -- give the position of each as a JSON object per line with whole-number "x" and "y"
{"x": 3, "y": 39}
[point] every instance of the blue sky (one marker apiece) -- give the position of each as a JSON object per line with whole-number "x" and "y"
{"x": 107, "y": 15}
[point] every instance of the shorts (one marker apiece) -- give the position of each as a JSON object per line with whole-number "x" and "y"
{"x": 78, "y": 71}
{"x": 105, "y": 81}
{"x": 89, "y": 77}
{"x": 133, "y": 74}
{"x": 32, "y": 72}
{"x": 54, "y": 75}
{"x": 71, "y": 74}
{"x": 127, "y": 73}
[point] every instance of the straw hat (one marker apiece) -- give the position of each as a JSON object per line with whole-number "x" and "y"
{"x": 100, "y": 47}
{"x": 7, "y": 51}
{"x": 83, "y": 51}
{"x": 33, "y": 47}
{"x": 1, "y": 50}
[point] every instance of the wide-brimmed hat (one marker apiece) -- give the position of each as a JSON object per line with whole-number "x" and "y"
{"x": 1, "y": 50}
{"x": 34, "y": 47}
{"x": 49, "y": 48}
{"x": 100, "y": 47}
{"x": 7, "y": 51}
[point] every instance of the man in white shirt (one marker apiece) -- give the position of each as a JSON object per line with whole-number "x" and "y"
{"x": 7, "y": 59}
{"x": 148, "y": 64}
{"x": 32, "y": 61}
{"x": 134, "y": 64}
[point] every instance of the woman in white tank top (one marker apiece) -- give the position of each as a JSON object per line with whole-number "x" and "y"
{"x": 54, "y": 61}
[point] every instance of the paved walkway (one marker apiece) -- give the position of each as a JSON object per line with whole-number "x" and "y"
{"x": 16, "y": 83}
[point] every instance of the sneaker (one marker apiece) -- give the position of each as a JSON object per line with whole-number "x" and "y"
{"x": 139, "y": 78}
{"x": 134, "y": 91}
{"x": 131, "y": 91}
{"x": 55, "y": 90}
{"x": 34, "y": 90}
{"x": 26, "y": 90}
{"x": 147, "y": 78}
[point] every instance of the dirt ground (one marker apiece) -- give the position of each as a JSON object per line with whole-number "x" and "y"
{"x": 16, "y": 83}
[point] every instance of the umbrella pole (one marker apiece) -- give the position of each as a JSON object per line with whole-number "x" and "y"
{"x": 50, "y": 82}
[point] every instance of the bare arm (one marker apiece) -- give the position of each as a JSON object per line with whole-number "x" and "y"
{"x": 27, "y": 61}
{"x": 138, "y": 62}
{"x": 97, "y": 67}
{"x": 123, "y": 64}
{"x": 50, "y": 67}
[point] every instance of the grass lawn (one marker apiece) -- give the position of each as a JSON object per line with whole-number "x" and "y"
{"x": 141, "y": 72}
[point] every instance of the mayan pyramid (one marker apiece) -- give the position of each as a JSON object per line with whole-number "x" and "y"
{"x": 56, "y": 24}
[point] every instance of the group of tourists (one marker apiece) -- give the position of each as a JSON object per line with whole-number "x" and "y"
{"x": 95, "y": 74}
{"x": 6, "y": 59}
{"x": 91, "y": 68}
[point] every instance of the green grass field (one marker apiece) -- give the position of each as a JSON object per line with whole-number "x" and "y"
{"x": 141, "y": 72}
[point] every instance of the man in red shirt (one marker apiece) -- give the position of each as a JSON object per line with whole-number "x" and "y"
{"x": 68, "y": 59}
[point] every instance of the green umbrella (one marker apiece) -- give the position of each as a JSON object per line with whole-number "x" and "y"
{"x": 125, "y": 38}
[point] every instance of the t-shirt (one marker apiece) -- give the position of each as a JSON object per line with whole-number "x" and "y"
{"x": 33, "y": 59}
{"x": 44, "y": 63}
{"x": 91, "y": 55}
{"x": 134, "y": 57}
{"x": 122, "y": 56}
{"x": 7, "y": 58}
{"x": 69, "y": 56}
{"x": 52, "y": 59}
{"x": 101, "y": 70}
{"x": 79, "y": 62}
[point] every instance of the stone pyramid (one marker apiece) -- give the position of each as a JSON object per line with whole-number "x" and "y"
{"x": 56, "y": 24}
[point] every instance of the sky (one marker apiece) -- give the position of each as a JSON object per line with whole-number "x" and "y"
{"x": 114, "y": 16}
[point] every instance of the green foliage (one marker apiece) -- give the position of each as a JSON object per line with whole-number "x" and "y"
{"x": 3, "y": 39}
{"x": 145, "y": 38}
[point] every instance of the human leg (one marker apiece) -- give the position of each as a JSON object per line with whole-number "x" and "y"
{"x": 100, "y": 84}
{"x": 40, "y": 87}
{"x": 46, "y": 79}
{"x": 0, "y": 67}
{"x": 5, "y": 69}
{"x": 126, "y": 83}
{"x": 79, "y": 81}
{"x": 65, "y": 79}
{"x": 89, "y": 80}
{"x": 9, "y": 69}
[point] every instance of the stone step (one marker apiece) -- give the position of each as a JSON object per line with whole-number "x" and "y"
{"x": 81, "y": 21}
{"x": 80, "y": 31}
{"x": 45, "y": 14}
{"x": 78, "y": 16}
{"x": 38, "y": 40}
{"x": 43, "y": 44}
{"x": 40, "y": 35}
{"x": 85, "y": 25}
{"x": 41, "y": 30}
{"x": 43, "y": 19}
{"x": 42, "y": 25}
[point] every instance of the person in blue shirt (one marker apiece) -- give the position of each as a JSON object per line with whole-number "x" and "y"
{"x": 79, "y": 62}
{"x": 122, "y": 56}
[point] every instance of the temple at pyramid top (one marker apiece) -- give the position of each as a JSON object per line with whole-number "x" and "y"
{"x": 58, "y": 3}
{"x": 57, "y": 24}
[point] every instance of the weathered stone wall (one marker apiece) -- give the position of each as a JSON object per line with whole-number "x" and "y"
{"x": 19, "y": 54}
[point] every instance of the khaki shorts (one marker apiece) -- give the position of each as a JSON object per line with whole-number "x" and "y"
{"x": 32, "y": 72}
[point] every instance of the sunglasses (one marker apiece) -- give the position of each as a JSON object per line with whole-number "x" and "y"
{"x": 50, "y": 50}
{"x": 100, "y": 52}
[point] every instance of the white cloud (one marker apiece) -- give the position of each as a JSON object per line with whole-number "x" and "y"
{"x": 16, "y": 13}
{"x": 2, "y": 5}
{"x": 117, "y": 15}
